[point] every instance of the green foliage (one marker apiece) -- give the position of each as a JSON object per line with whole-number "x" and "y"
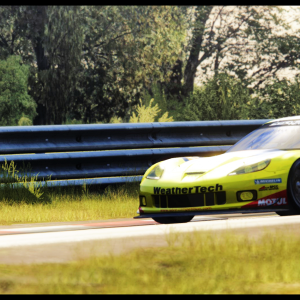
{"x": 165, "y": 118}
{"x": 222, "y": 98}
{"x": 116, "y": 120}
{"x": 126, "y": 49}
{"x": 72, "y": 121}
{"x": 14, "y": 99}
{"x": 281, "y": 99}
{"x": 166, "y": 102}
{"x": 61, "y": 38}
{"x": 250, "y": 42}
{"x": 13, "y": 38}
{"x": 225, "y": 98}
{"x": 149, "y": 114}
{"x": 94, "y": 63}
{"x": 24, "y": 122}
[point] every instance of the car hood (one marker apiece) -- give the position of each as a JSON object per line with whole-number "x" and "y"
{"x": 227, "y": 162}
{"x": 205, "y": 164}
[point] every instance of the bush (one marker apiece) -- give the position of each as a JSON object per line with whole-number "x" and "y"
{"x": 15, "y": 187}
{"x": 25, "y": 122}
{"x": 15, "y": 102}
{"x": 145, "y": 114}
{"x": 166, "y": 102}
{"x": 222, "y": 98}
{"x": 281, "y": 99}
{"x": 149, "y": 113}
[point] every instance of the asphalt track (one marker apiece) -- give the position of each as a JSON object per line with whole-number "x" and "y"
{"x": 61, "y": 242}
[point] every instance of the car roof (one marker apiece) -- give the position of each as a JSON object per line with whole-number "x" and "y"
{"x": 294, "y": 118}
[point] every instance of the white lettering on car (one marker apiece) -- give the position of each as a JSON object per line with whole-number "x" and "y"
{"x": 266, "y": 202}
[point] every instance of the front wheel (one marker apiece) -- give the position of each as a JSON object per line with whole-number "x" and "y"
{"x": 293, "y": 191}
{"x": 289, "y": 212}
{"x": 170, "y": 220}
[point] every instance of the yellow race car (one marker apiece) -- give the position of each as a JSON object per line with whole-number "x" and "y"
{"x": 259, "y": 173}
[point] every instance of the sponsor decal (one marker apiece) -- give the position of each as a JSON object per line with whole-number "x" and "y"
{"x": 268, "y": 202}
{"x": 187, "y": 190}
{"x": 276, "y": 199}
{"x": 269, "y": 188}
{"x": 266, "y": 181}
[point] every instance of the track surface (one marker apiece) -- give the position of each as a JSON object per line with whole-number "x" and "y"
{"x": 60, "y": 242}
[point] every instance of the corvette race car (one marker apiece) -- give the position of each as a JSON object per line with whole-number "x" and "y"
{"x": 259, "y": 173}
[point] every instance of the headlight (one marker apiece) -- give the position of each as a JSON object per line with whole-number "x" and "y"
{"x": 156, "y": 173}
{"x": 251, "y": 168}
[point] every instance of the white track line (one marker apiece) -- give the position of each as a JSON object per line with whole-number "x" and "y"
{"x": 84, "y": 226}
{"x": 139, "y": 231}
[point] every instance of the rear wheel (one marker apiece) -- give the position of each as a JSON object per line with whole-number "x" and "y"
{"x": 293, "y": 191}
{"x": 169, "y": 220}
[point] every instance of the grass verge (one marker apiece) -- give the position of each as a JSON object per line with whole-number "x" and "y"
{"x": 32, "y": 203}
{"x": 71, "y": 204}
{"x": 198, "y": 263}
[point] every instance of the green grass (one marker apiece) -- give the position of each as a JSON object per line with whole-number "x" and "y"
{"x": 31, "y": 203}
{"x": 199, "y": 263}
{"x": 73, "y": 205}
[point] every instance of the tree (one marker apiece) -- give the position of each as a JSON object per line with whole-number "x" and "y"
{"x": 252, "y": 43}
{"x": 57, "y": 43}
{"x": 49, "y": 38}
{"x": 15, "y": 102}
{"x": 126, "y": 50}
{"x": 13, "y": 40}
{"x": 90, "y": 63}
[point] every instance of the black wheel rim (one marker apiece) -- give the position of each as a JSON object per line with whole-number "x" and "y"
{"x": 295, "y": 186}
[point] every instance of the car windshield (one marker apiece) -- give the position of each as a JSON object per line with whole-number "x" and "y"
{"x": 271, "y": 136}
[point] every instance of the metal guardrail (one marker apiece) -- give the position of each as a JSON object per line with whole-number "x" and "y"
{"x": 102, "y": 163}
{"x": 214, "y": 137}
{"x": 66, "y": 138}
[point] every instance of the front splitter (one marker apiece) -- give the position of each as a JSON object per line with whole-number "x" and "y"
{"x": 211, "y": 212}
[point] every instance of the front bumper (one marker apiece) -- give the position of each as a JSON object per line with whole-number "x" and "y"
{"x": 214, "y": 194}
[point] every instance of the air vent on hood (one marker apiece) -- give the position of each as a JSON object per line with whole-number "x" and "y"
{"x": 194, "y": 173}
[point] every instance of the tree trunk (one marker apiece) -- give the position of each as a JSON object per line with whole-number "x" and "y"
{"x": 174, "y": 86}
{"x": 197, "y": 38}
{"x": 217, "y": 61}
{"x": 42, "y": 63}
{"x": 35, "y": 19}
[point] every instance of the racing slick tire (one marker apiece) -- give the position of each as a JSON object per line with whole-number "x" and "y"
{"x": 293, "y": 191}
{"x": 169, "y": 220}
